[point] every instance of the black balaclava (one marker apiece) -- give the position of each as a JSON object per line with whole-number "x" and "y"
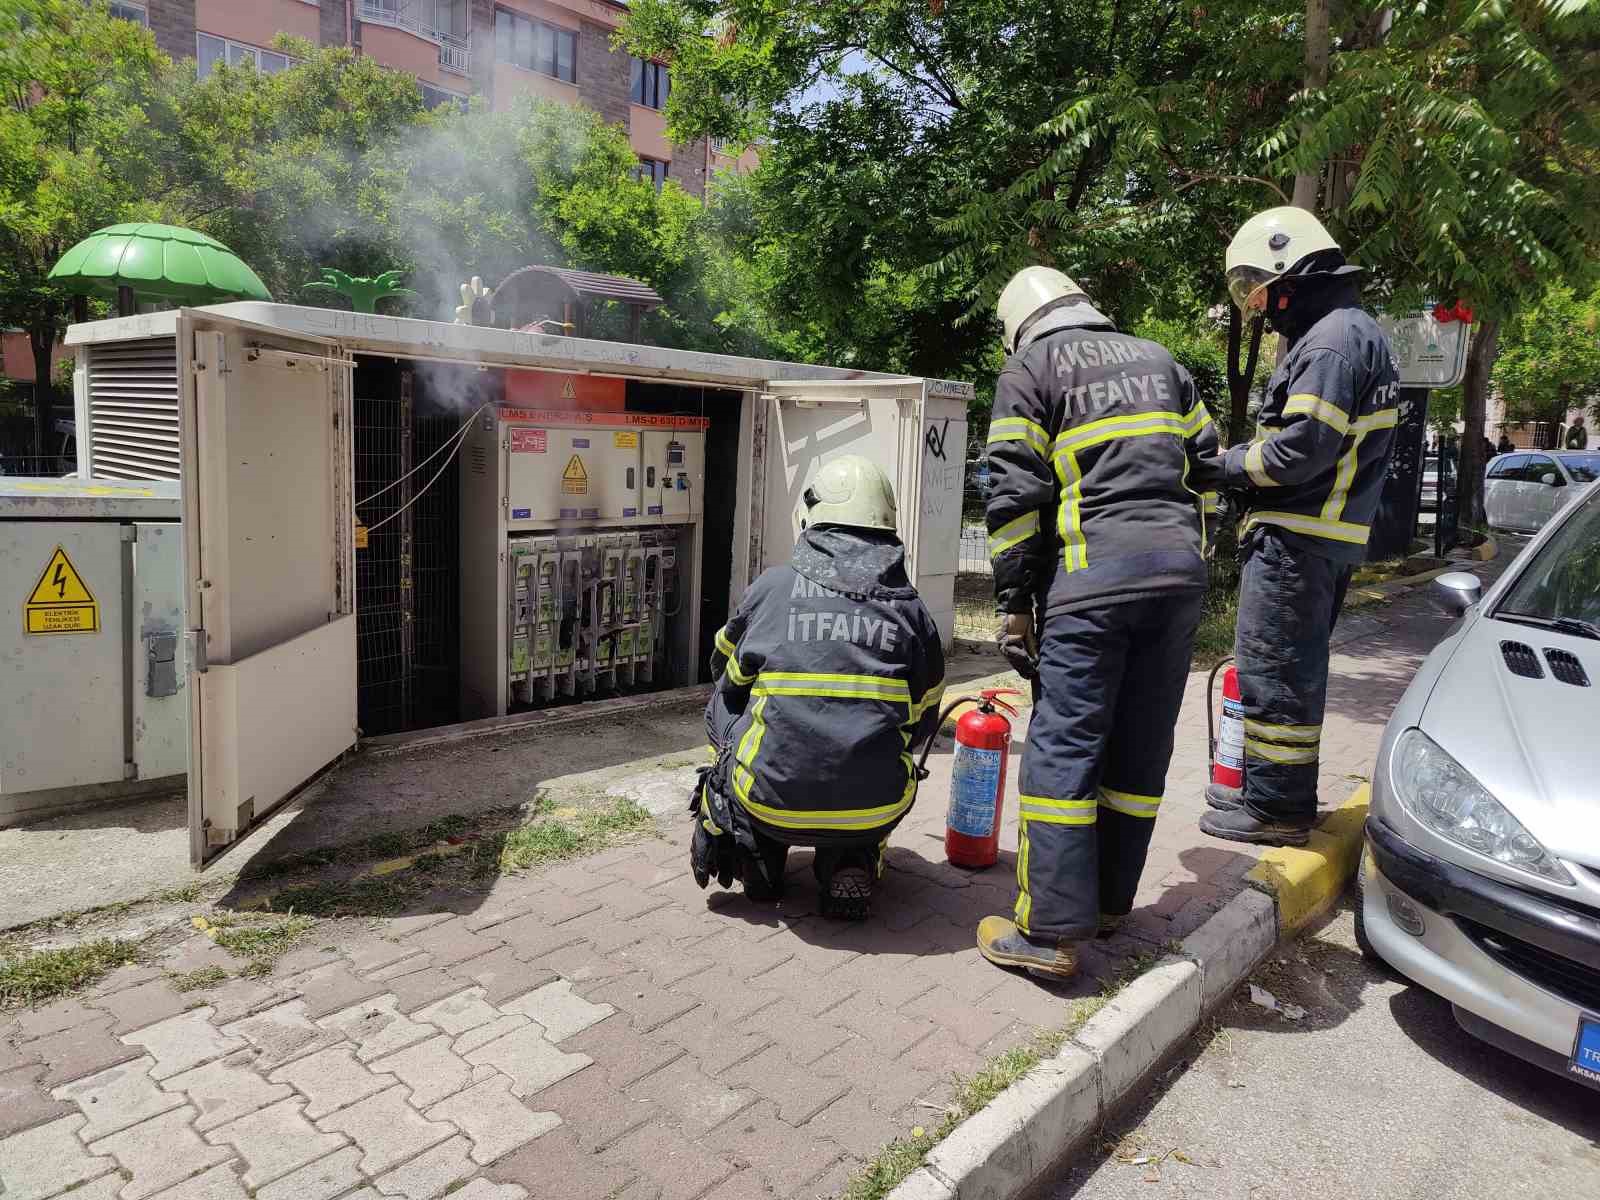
{"x": 1315, "y": 286}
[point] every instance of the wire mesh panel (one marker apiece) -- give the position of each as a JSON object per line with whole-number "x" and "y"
{"x": 381, "y": 665}
{"x": 435, "y": 574}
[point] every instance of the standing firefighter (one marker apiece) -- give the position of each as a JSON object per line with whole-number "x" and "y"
{"x": 1095, "y": 525}
{"x": 828, "y": 673}
{"x": 1310, "y": 482}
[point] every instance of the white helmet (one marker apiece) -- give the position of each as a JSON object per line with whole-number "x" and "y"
{"x": 850, "y": 490}
{"x": 1031, "y": 290}
{"x": 1269, "y": 244}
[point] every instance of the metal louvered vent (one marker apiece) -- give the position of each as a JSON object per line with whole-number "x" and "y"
{"x": 1564, "y": 665}
{"x": 480, "y": 460}
{"x": 1522, "y": 660}
{"x": 133, "y": 410}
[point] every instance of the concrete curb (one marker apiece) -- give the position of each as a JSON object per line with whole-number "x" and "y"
{"x": 1005, "y": 1149}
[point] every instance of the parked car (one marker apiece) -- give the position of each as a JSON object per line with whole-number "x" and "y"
{"x": 1429, "y": 500}
{"x": 1523, "y": 490}
{"x": 1480, "y": 877}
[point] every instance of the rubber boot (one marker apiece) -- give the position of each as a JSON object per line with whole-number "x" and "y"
{"x": 764, "y": 888}
{"x": 1221, "y": 796}
{"x": 1241, "y": 825}
{"x": 1002, "y": 943}
{"x": 844, "y": 883}
{"x": 1110, "y": 923}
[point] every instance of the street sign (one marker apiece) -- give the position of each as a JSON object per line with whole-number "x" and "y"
{"x": 1429, "y": 353}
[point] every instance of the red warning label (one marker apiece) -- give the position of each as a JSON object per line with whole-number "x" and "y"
{"x": 529, "y": 441}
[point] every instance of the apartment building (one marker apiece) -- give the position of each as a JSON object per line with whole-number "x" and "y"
{"x": 498, "y": 49}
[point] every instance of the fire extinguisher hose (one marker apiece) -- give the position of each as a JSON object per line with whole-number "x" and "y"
{"x": 927, "y": 746}
{"x": 1211, "y": 708}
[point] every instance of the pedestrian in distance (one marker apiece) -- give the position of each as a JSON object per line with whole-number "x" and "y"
{"x": 1505, "y": 446}
{"x": 827, "y": 674}
{"x": 1096, "y": 449}
{"x": 1309, "y": 485}
{"x": 1578, "y": 435}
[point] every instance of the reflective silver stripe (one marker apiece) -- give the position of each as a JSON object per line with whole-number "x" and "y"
{"x": 1305, "y": 404}
{"x": 1056, "y": 812}
{"x": 1013, "y": 533}
{"x": 1020, "y": 429}
{"x": 1283, "y": 733}
{"x": 1255, "y": 467}
{"x": 1287, "y": 755}
{"x": 1110, "y": 428}
{"x": 1338, "y": 531}
{"x": 1129, "y": 803}
{"x": 1199, "y": 417}
{"x": 846, "y": 687}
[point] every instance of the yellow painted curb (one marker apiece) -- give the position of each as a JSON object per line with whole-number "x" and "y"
{"x": 1305, "y": 882}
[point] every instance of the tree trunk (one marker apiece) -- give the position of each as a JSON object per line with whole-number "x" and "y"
{"x": 42, "y": 341}
{"x": 1481, "y": 354}
{"x": 1318, "y": 48}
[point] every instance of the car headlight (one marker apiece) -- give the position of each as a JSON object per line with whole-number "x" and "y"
{"x": 1440, "y": 793}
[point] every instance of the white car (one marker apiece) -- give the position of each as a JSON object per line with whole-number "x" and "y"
{"x": 1523, "y": 489}
{"x": 1480, "y": 878}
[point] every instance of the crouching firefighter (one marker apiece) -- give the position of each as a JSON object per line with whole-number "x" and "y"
{"x": 828, "y": 674}
{"x": 1097, "y": 450}
{"x": 1309, "y": 482}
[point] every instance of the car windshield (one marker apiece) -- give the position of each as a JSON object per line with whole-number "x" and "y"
{"x": 1584, "y": 468}
{"x": 1563, "y": 579}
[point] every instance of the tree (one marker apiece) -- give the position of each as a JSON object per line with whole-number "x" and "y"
{"x": 76, "y": 154}
{"x": 1549, "y": 359}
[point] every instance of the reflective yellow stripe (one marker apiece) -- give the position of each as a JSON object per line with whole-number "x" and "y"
{"x": 749, "y": 747}
{"x": 1345, "y": 475}
{"x": 1020, "y": 429}
{"x": 1208, "y": 502}
{"x": 1283, "y": 733}
{"x": 1056, "y": 812}
{"x": 1255, "y": 468}
{"x": 844, "y": 687}
{"x": 847, "y": 819}
{"x": 1110, "y": 428}
{"x": 1013, "y": 533}
{"x": 1024, "y": 908}
{"x": 1289, "y": 755}
{"x": 1129, "y": 803}
{"x": 1305, "y": 404}
{"x": 1195, "y": 423}
{"x": 1338, "y": 531}
{"x": 1069, "y": 521}
{"x": 932, "y": 698}
{"x": 737, "y": 675}
{"x": 723, "y": 644}
{"x": 705, "y": 817}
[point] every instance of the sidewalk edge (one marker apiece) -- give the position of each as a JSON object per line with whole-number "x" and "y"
{"x": 1004, "y": 1150}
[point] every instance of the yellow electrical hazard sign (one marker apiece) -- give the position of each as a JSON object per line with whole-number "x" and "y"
{"x": 61, "y": 602}
{"x": 569, "y": 390}
{"x": 575, "y": 480}
{"x": 625, "y": 441}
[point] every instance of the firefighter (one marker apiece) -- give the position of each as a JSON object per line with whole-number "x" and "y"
{"x": 1098, "y": 450}
{"x": 828, "y": 674}
{"x": 1310, "y": 483}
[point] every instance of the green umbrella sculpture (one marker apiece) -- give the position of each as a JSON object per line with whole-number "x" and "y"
{"x": 145, "y": 261}
{"x": 362, "y": 291}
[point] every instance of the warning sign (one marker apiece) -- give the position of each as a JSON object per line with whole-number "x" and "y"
{"x": 575, "y": 480}
{"x": 361, "y": 535}
{"x": 569, "y": 389}
{"x": 625, "y": 441}
{"x": 61, "y": 602}
{"x": 529, "y": 441}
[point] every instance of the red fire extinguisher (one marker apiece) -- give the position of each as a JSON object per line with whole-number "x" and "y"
{"x": 978, "y": 781}
{"x": 1227, "y": 735}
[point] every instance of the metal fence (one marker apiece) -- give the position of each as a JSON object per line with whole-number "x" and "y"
{"x": 974, "y": 573}
{"x": 38, "y": 465}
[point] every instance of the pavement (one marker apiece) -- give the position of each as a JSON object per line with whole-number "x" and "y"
{"x": 603, "y": 1028}
{"x": 1376, "y": 1093}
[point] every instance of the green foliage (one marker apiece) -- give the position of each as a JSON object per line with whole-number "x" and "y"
{"x": 571, "y": 833}
{"x": 29, "y": 978}
{"x": 1201, "y": 349}
{"x": 1550, "y": 356}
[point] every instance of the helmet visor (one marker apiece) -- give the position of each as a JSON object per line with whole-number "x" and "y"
{"x": 1244, "y": 282}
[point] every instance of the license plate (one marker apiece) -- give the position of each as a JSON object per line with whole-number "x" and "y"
{"x": 1585, "y": 1061}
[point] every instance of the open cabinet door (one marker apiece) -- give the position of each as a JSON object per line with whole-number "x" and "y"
{"x": 812, "y": 421}
{"x": 269, "y": 600}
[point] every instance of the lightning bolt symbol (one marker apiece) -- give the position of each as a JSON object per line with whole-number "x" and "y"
{"x": 60, "y": 580}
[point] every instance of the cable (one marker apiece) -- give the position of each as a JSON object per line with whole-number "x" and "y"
{"x": 460, "y": 437}
{"x": 442, "y": 446}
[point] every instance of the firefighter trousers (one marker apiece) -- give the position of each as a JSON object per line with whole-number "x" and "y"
{"x": 1289, "y": 601}
{"x": 1110, "y": 683}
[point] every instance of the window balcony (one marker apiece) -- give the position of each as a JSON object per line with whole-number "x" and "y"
{"x": 426, "y": 19}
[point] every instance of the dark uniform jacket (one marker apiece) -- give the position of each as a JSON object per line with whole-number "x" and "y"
{"x": 1095, "y": 449}
{"x": 829, "y": 673}
{"x": 1315, "y": 470}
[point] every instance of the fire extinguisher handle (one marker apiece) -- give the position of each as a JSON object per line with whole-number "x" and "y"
{"x": 992, "y": 696}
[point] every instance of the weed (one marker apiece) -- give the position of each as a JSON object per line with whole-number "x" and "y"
{"x": 187, "y": 894}
{"x": 259, "y": 939}
{"x": 34, "y": 977}
{"x": 369, "y": 896}
{"x": 566, "y": 834}
{"x": 197, "y": 980}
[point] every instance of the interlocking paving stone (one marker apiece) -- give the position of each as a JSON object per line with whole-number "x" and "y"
{"x": 558, "y": 1011}
{"x": 555, "y": 1168}
{"x": 331, "y": 1079}
{"x": 225, "y": 1090}
{"x": 431, "y": 1173}
{"x": 160, "y": 1152}
{"x": 322, "y": 1180}
{"x": 333, "y": 988}
{"x": 118, "y": 1097}
{"x": 429, "y": 1069}
{"x": 48, "y": 1159}
{"x": 681, "y": 1169}
{"x": 184, "y": 1041}
{"x": 458, "y": 1013}
{"x": 219, "y": 1183}
{"x": 24, "y": 1103}
{"x": 532, "y": 1062}
{"x": 53, "y": 1018}
{"x": 493, "y": 1031}
{"x": 388, "y": 1130}
{"x": 275, "y": 1141}
{"x": 79, "y": 1051}
{"x": 496, "y": 1121}
{"x": 697, "y": 1102}
{"x": 144, "y": 1005}
{"x": 281, "y": 1033}
{"x": 376, "y": 1028}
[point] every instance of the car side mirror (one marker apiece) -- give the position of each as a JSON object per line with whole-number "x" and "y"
{"x": 1550, "y": 479}
{"x": 1457, "y": 591}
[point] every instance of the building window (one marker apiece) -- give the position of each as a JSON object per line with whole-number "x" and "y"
{"x": 652, "y": 83}
{"x": 652, "y": 169}
{"x": 211, "y": 50}
{"x": 433, "y": 97}
{"x": 137, "y": 13}
{"x": 535, "y": 45}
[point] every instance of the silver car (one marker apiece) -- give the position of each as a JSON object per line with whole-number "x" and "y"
{"x": 1481, "y": 874}
{"x": 1523, "y": 489}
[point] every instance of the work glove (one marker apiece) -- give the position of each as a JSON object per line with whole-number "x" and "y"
{"x": 710, "y": 854}
{"x": 1018, "y": 644}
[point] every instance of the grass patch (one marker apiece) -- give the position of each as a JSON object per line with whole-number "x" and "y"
{"x": 369, "y": 896}
{"x": 28, "y": 978}
{"x": 197, "y": 980}
{"x": 379, "y": 846}
{"x": 178, "y": 895}
{"x": 568, "y": 833}
{"x": 258, "y": 939}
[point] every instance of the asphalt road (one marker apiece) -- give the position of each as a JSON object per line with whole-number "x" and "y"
{"x": 1376, "y": 1092}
